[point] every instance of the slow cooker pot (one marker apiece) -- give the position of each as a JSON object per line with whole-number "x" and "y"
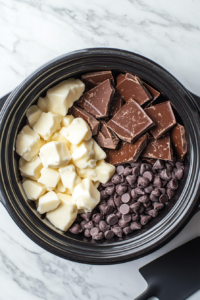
{"x": 78, "y": 248}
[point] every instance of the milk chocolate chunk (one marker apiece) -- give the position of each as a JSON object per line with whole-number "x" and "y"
{"x": 130, "y": 122}
{"x": 97, "y": 101}
{"x": 163, "y": 117}
{"x": 179, "y": 141}
{"x": 116, "y": 104}
{"x": 159, "y": 149}
{"x": 77, "y": 112}
{"x": 126, "y": 153}
{"x": 95, "y": 78}
{"x": 154, "y": 93}
{"x": 130, "y": 86}
{"x": 106, "y": 138}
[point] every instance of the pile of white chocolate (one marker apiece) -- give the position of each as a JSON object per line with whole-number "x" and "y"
{"x": 61, "y": 165}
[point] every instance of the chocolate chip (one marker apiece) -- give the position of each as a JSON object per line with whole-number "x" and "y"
{"x": 117, "y": 231}
{"x": 135, "y": 207}
{"x": 141, "y": 209}
{"x": 127, "y": 171}
{"x": 103, "y": 195}
{"x": 127, "y": 230}
{"x": 149, "y": 189}
{"x": 124, "y": 209}
{"x": 157, "y": 181}
{"x": 149, "y": 175}
{"x": 153, "y": 198}
{"x": 86, "y": 216}
{"x": 96, "y": 218}
{"x": 126, "y": 218}
{"x": 102, "y": 207}
{"x": 158, "y": 205}
{"x": 109, "y": 183}
{"x": 131, "y": 179}
{"x": 83, "y": 224}
{"x": 116, "y": 179}
{"x": 164, "y": 182}
{"x": 103, "y": 226}
{"x": 156, "y": 192}
{"x": 144, "y": 168}
{"x": 76, "y": 228}
{"x": 135, "y": 217}
{"x": 98, "y": 236}
{"x": 136, "y": 164}
{"x": 136, "y": 171}
{"x": 121, "y": 189}
{"x": 179, "y": 174}
{"x": 172, "y": 162}
{"x": 112, "y": 219}
{"x": 153, "y": 213}
{"x": 78, "y": 219}
{"x": 117, "y": 200}
{"x": 144, "y": 219}
{"x": 120, "y": 170}
{"x": 110, "y": 202}
{"x": 165, "y": 175}
{"x": 122, "y": 223}
{"x": 109, "y": 234}
{"x": 110, "y": 190}
{"x": 143, "y": 199}
{"x": 148, "y": 208}
{"x": 169, "y": 167}
{"x": 126, "y": 198}
{"x": 170, "y": 193}
{"x": 134, "y": 195}
{"x": 163, "y": 198}
{"x": 159, "y": 165}
{"x": 143, "y": 182}
{"x": 89, "y": 225}
{"x": 94, "y": 231}
{"x": 118, "y": 214}
{"x": 179, "y": 164}
{"x": 162, "y": 190}
{"x": 173, "y": 184}
{"x": 147, "y": 204}
{"x": 139, "y": 191}
{"x": 87, "y": 233}
{"x": 135, "y": 226}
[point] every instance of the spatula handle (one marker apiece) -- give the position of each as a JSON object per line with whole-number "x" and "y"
{"x": 149, "y": 292}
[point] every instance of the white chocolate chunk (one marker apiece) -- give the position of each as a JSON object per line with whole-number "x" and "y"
{"x": 66, "y": 121}
{"x": 69, "y": 177}
{"x": 57, "y": 137}
{"x": 49, "y": 177}
{"x": 32, "y": 168}
{"x": 62, "y": 96}
{"x": 65, "y": 214}
{"x": 86, "y": 195}
{"x": 99, "y": 154}
{"x": 77, "y": 131}
{"x": 55, "y": 155}
{"x": 33, "y": 114}
{"x": 60, "y": 187}
{"x": 96, "y": 184}
{"x": 33, "y": 189}
{"x": 42, "y": 104}
{"x": 48, "y": 202}
{"x": 102, "y": 172}
{"x": 28, "y": 143}
{"x": 47, "y": 124}
{"x": 83, "y": 154}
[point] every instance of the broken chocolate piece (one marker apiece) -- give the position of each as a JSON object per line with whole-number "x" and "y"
{"x": 126, "y": 153}
{"x": 163, "y": 117}
{"x": 130, "y": 122}
{"x": 130, "y": 86}
{"x": 97, "y": 101}
{"x": 95, "y": 78}
{"x": 159, "y": 149}
{"x": 106, "y": 138}
{"x": 179, "y": 141}
{"x": 77, "y": 112}
{"x": 116, "y": 104}
{"x": 155, "y": 94}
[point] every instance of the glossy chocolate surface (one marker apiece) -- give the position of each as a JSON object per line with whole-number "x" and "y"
{"x": 179, "y": 141}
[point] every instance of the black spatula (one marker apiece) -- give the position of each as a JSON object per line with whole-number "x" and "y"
{"x": 175, "y": 275}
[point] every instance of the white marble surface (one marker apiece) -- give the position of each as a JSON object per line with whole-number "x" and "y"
{"x": 35, "y": 31}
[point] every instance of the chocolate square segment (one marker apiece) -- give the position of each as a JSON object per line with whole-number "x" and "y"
{"x": 97, "y": 101}
{"x": 95, "y": 78}
{"x": 163, "y": 117}
{"x": 130, "y": 86}
{"x": 106, "y": 138}
{"x": 130, "y": 122}
{"x": 179, "y": 141}
{"x": 126, "y": 153}
{"x": 116, "y": 104}
{"x": 159, "y": 149}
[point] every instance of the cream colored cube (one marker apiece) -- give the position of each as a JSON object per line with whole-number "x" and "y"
{"x": 99, "y": 154}
{"x": 96, "y": 184}
{"x": 66, "y": 121}
{"x": 48, "y": 202}
{"x": 86, "y": 196}
{"x": 33, "y": 189}
{"x": 83, "y": 154}
{"x": 69, "y": 177}
{"x": 77, "y": 131}
{"x": 60, "y": 187}
{"x": 55, "y": 155}
{"x": 65, "y": 214}
{"x": 62, "y": 96}
{"x": 58, "y": 137}
{"x": 47, "y": 124}
{"x": 42, "y": 104}
{"x": 49, "y": 177}
{"x": 32, "y": 168}
{"x": 28, "y": 143}
{"x": 33, "y": 114}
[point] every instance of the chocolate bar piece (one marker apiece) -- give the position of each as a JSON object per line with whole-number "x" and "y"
{"x": 95, "y": 78}
{"x": 154, "y": 93}
{"x": 106, "y": 137}
{"x": 126, "y": 153}
{"x": 159, "y": 149}
{"x": 179, "y": 141}
{"x": 130, "y": 86}
{"x": 130, "y": 122}
{"x": 77, "y": 112}
{"x": 97, "y": 101}
{"x": 116, "y": 104}
{"x": 163, "y": 117}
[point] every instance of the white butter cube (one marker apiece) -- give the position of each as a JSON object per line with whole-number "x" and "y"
{"x": 77, "y": 131}
{"x": 62, "y": 96}
{"x": 33, "y": 114}
{"x": 66, "y": 121}
{"x": 99, "y": 154}
{"x": 69, "y": 177}
{"x": 33, "y": 189}
{"x": 32, "y": 168}
{"x": 65, "y": 214}
{"x": 55, "y": 155}
{"x": 42, "y": 104}
{"x": 83, "y": 154}
{"x": 102, "y": 172}
{"x": 60, "y": 187}
{"x": 28, "y": 143}
{"x": 47, "y": 124}
{"x": 49, "y": 177}
{"x": 48, "y": 202}
{"x": 86, "y": 196}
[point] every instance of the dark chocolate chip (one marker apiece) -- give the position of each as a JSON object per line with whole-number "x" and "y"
{"x": 135, "y": 226}
{"x": 98, "y": 236}
{"x": 124, "y": 209}
{"x": 143, "y": 199}
{"x": 164, "y": 182}
{"x": 179, "y": 164}
{"x": 122, "y": 223}
{"x": 131, "y": 179}
{"x": 86, "y": 216}
{"x": 148, "y": 208}
{"x": 170, "y": 193}
{"x": 158, "y": 205}
{"x": 94, "y": 231}
{"x": 126, "y": 218}
{"x": 135, "y": 217}
{"x": 110, "y": 190}
{"x": 96, "y": 218}
{"x": 149, "y": 189}
{"x": 149, "y": 175}
{"x": 165, "y": 175}
{"x": 136, "y": 171}
{"x": 141, "y": 209}
{"x": 159, "y": 165}
{"x": 118, "y": 214}
{"x": 139, "y": 191}
{"x": 117, "y": 199}
{"x": 143, "y": 182}
{"x": 153, "y": 213}
{"x": 156, "y": 192}
{"x": 169, "y": 167}
{"x": 147, "y": 204}
{"x": 134, "y": 195}
{"x": 179, "y": 174}
{"x": 117, "y": 231}
{"x": 89, "y": 225}
{"x": 103, "y": 226}
{"x": 109, "y": 234}
{"x": 103, "y": 195}
{"x": 163, "y": 198}
{"x": 121, "y": 189}
{"x": 127, "y": 230}
{"x": 144, "y": 168}
{"x": 116, "y": 179}
{"x": 111, "y": 202}
{"x": 120, "y": 170}
{"x": 157, "y": 181}
{"x": 173, "y": 184}
{"x": 136, "y": 164}
{"x": 112, "y": 219}
{"x": 127, "y": 171}
{"x": 109, "y": 183}
{"x": 153, "y": 198}
{"x": 162, "y": 190}
{"x": 83, "y": 224}
{"x": 135, "y": 207}
{"x": 144, "y": 219}
{"x": 76, "y": 228}
{"x": 126, "y": 198}
{"x": 87, "y": 233}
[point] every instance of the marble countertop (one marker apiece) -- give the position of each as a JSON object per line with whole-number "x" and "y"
{"x": 35, "y": 31}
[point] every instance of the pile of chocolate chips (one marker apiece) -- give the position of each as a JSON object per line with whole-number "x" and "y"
{"x": 134, "y": 195}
